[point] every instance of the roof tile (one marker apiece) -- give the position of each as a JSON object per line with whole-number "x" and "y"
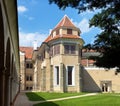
{"x": 28, "y": 51}
{"x": 49, "y": 38}
{"x": 65, "y": 22}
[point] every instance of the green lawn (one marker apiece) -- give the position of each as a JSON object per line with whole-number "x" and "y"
{"x": 110, "y": 99}
{"x": 96, "y": 100}
{"x": 39, "y": 96}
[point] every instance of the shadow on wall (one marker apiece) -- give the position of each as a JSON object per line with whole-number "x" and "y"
{"x": 88, "y": 83}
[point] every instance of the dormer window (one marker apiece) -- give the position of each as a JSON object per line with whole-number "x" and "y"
{"x": 69, "y": 31}
{"x": 57, "y": 32}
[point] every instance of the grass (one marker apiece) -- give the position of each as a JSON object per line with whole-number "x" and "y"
{"x": 96, "y": 100}
{"x": 39, "y": 96}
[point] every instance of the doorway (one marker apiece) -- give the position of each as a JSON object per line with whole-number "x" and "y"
{"x": 106, "y": 86}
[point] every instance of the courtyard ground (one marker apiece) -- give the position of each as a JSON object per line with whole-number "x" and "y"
{"x": 22, "y": 99}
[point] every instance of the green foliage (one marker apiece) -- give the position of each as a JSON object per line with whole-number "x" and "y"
{"x": 108, "y": 20}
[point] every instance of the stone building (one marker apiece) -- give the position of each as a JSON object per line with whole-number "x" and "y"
{"x": 61, "y": 65}
{"x": 57, "y": 61}
{"x": 95, "y": 79}
{"x": 9, "y": 52}
{"x": 26, "y": 66}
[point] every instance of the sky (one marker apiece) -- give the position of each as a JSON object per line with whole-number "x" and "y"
{"x": 37, "y": 17}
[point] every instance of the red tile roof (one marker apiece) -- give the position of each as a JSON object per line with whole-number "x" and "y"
{"x": 66, "y": 22}
{"x": 84, "y": 62}
{"x": 49, "y": 38}
{"x": 28, "y": 51}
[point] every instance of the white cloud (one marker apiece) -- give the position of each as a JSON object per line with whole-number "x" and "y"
{"x": 22, "y": 9}
{"x": 31, "y": 18}
{"x": 27, "y": 39}
{"x": 83, "y": 25}
{"x": 87, "y": 12}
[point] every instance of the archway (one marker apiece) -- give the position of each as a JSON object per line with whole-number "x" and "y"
{"x": 2, "y": 69}
{"x": 11, "y": 81}
{"x": 7, "y": 74}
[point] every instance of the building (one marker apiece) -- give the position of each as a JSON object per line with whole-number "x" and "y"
{"x": 95, "y": 79}
{"x": 9, "y": 52}
{"x": 57, "y": 61}
{"x": 61, "y": 65}
{"x": 26, "y": 66}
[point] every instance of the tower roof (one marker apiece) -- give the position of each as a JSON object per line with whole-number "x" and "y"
{"x": 66, "y": 22}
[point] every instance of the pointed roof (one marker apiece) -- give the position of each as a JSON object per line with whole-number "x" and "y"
{"x": 66, "y": 22}
{"x": 28, "y": 51}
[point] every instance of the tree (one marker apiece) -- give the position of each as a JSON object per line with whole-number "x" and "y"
{"x": 108, "y": 19}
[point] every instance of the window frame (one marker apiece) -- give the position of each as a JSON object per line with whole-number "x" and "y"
{"x": 29, "y": 65}
{"x": 57, "y": 32}
{"x": 69, "y": 31}
{"x": 70, "y": 49}
{"x": 56, "y": 49}
{"x": 56, "y": 74}
{"x": 73, "y": 75}
{"x": 29, "y": 78}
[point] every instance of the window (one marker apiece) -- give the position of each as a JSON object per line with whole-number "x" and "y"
{"x": 56, "y": 74}
{"x": 29, "y": 65}
{"x": 70, "y": 75}
{"x": 57, "y": 32}
{"x": 80, "y": 52}
{"x": 51, "y": 51}
{"x": 69, "y": 31}
{"x": 69, "y": 49}
{"x": 29, "y": 87}
{"x": 29, "y": 78}
{"x": 56, "y": 49}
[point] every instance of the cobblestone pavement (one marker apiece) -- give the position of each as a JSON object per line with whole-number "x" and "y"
{"x": 22, "y": 99}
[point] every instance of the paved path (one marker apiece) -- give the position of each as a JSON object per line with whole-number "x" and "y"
{"x": 22, "y": 99}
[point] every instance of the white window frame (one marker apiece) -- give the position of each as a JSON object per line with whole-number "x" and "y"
{"x": 55, "y": 76}
{"x": 73, "y": 75}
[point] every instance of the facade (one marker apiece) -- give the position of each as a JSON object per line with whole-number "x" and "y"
{"x": 61, "y": 65}
{"x": 9, "y": 53}
{"x": 26, "y": 66}
{"x": 57, "y": 61}
{"x": 97, "y": 79}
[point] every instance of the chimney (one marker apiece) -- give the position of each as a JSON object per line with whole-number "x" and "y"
{"x": 35, "y": 45}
